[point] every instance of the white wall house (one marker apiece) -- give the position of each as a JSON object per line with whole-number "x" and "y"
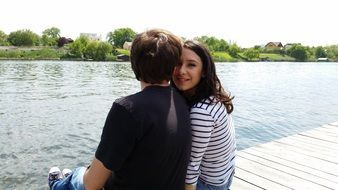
{"x": 127, "y": 45}
{"x": 91, "y": 36}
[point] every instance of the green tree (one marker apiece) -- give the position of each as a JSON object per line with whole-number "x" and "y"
{"x": 213, "y": 44}
{"x": 320, "y": 52}
{"x": 259, "y": 48}
{"x": 97, "y": 51}
{"x": 202, "y": 39}
{"x": 251, "y": 53}
{"x": 78, "y": 47}
{"x": 23, "y": 38}
{"x": 3, "y": 38}
{"x": 222, "y": 45}
{"x": 233, "y": 50}
{"x": 90, "y": 50}
{"x": 298, "y": 52}
{"x": 121, "y": 35}
{"x": 332, "y": 52}
{"x": 50, "y": 36}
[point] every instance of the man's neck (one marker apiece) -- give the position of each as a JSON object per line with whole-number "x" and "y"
{"x": 145, "y": 84}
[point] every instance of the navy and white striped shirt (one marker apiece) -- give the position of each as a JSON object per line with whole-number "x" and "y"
{"x": 212, "y": 157}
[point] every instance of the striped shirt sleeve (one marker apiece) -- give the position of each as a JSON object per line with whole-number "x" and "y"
{"x": 202, "y": 124}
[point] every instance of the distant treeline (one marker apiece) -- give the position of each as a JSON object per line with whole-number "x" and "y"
{"x": 25, "y": 44}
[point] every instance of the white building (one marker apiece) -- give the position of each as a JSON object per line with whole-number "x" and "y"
{"x": 127, "y": 45}
{"x": 91, "y": 36}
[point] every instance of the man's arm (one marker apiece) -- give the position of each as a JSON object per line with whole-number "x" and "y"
{"x": 96, "y": 175}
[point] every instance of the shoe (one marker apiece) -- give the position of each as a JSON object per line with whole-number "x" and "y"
{"x": 66, "y": 172}
{"x": 54, "y": 174}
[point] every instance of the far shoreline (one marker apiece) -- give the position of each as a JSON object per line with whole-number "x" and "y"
{"x": 36, "y": 53}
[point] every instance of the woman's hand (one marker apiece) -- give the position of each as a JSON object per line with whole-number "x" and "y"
{"x": 190, "y": 187}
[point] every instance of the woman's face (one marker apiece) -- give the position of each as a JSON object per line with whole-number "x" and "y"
{"x": 188, "y": 73}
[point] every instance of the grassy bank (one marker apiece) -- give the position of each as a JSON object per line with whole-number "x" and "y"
{"x": 274, "y": 57}
{"x": 223, "y": 57}
{"x": 31, "y": 54}
{"x": 44, "y": 53}
{"x": 52, "y": 53}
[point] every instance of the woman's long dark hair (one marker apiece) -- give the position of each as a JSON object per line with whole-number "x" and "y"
{"x": 209, "y": 84}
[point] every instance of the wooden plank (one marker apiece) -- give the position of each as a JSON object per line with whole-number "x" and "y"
{"x": 240, "y": 184}
{"x": 296, "y": 142}
{"x": 297, "y": 166}
{"x": 314, "y": 143}
{"x": 296, "y": 157}
{"x": 303, "y": 151}
{"x": 307, "y": 153}
{"x": 320, "y": 135}
{"x": 298, "y": 174}
{"x": 334, "y": 124}
{"x": 262, "y": 182}
{"x": 329, "y": 129}
{"x": 318, "y": 141}
{"x": 326, "y": 132}
{"x": 277, "y": 176}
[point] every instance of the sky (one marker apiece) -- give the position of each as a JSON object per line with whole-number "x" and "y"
{"x": 244, "y": 22}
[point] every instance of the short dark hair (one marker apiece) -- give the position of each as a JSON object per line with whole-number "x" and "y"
{"x": 154, "y": 55}
{"x": 209, "y": 85}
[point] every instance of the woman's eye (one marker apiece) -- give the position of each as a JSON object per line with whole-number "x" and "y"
{"x": 191, "y": 65}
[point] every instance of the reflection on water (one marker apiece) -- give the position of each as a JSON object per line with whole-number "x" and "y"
{"x": 52, "y": 71}
{"x": 52, "y": 113}
{"x": 25, "y": 72}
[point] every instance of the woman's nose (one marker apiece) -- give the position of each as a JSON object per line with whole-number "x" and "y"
{"x": 181, "y": 69}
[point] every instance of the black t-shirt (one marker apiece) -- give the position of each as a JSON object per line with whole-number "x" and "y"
{"x": 146, "y": 140}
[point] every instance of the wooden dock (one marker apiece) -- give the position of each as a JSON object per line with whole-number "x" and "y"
{"x": 306, "y": 161}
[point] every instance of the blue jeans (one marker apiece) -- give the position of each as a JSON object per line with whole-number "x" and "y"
{"x": 72, "y": 182}
{"x": 203, "y": 186}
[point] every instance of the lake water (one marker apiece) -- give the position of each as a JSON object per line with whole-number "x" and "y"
{"x": 52, "y": 112}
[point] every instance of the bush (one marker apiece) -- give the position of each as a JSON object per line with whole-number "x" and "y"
{"x": 44, "y": 53}
{"x": 222, "y": 57}
{"x": 23, "y": 38}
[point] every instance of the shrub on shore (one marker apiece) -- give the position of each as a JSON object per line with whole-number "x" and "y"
{"x": 43, "y": 53}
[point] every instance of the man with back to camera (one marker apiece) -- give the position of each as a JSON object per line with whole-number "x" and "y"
{"x": 146, "y": 140}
